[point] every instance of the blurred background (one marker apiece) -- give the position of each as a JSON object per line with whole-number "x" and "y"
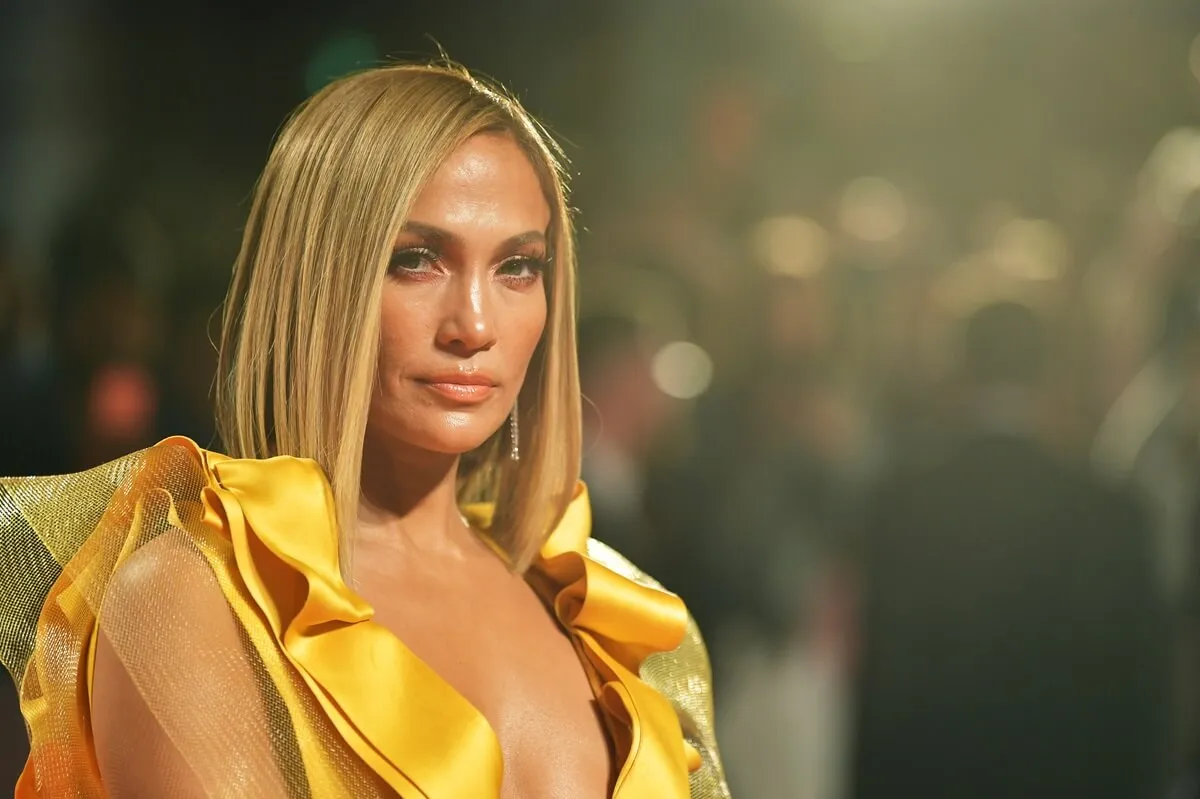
{"x": 890, "y": 335}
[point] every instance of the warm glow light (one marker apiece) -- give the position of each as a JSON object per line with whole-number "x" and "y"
{"x": 682, "y": 370}
{"x": 873, "y": 209}
{"x": 791, "y": 245}
{"x": 1172, "y": 175}
{"x": 1031, "y": 249}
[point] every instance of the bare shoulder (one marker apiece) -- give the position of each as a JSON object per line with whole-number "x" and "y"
{"x": 166, "y": 574}
{"x": 164, "y": 604}
{"x": 176, "y": 704}
{"x": 162, "y": 614}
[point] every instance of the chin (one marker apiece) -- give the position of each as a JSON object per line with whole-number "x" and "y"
{"x": 454, "y": 445}
{"x": 456, "y": 435}
{"x": 455, "y": 432}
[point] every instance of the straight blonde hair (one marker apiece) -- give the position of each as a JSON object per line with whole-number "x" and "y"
{"x": 300, "y": 332}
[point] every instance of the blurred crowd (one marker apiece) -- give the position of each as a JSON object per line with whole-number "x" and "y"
{"x": 890, "y": 345}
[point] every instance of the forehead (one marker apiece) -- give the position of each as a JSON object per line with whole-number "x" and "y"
{"x": 489, "y": 177}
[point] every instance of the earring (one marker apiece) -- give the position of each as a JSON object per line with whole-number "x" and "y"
{"x": 514, "y": 432}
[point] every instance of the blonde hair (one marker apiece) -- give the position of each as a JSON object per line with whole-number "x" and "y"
{"x": 300, "y": 333}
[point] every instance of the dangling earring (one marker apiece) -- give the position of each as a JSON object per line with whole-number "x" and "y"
{"x": 514, "y": 432}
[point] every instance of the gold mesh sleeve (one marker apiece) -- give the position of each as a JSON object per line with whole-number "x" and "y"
{"x": 183, "y": 717}
{"x": 118, "y": 570}
{"x": 684, "y": 676}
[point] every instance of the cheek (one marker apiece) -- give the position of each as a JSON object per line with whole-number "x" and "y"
{"x": 528, "y": 328}
{"x": 400, "y": 331}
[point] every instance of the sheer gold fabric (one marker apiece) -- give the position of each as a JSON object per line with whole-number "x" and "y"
{"x": 260, "y": 673}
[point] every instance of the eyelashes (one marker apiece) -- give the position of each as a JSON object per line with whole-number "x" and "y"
{"x": 412, "y": 260}
{"x": 423, "y": 263}
{"x": 524, "y": 267}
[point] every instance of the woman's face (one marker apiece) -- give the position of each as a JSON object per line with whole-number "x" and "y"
{"x": 464, "y": 302}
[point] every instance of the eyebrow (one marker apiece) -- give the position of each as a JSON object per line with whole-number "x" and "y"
{"x": 445, "y": 237}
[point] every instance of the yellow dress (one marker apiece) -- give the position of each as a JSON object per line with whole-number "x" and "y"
{"x": 338, "y": 705}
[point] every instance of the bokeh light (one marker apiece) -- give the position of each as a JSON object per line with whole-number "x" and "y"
{"x": 1032, "y": 249}
{"x": 1172, "y": 176}
{"x": 682, "y": 370}
{"x": 792, "y": 246}
{"x": 873, "y": 209}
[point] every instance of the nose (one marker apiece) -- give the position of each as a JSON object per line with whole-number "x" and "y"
{"x": 468, "y": 325}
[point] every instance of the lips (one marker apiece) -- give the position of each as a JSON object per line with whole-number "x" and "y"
{"x": 467, "y": 389}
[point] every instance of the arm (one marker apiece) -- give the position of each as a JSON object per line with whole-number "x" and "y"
{"x": 176, "y": 705}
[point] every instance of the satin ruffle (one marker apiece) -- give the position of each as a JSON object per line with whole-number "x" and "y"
{"x": 408, "y": 724}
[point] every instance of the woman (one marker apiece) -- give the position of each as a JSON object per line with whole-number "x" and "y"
{"x": 387, "y": 587}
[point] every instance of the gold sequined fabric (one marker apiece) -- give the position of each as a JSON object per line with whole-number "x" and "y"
{"x": 683, "y": 676}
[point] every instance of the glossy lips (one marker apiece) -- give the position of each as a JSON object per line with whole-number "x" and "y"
{"x": 462, "y": 387}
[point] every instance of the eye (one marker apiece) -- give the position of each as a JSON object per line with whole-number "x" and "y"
{"x": 412, "y": 260}
{"x": 523, "y": 268}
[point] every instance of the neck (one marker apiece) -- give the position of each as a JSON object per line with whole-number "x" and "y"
{"x": 409, "y": 499}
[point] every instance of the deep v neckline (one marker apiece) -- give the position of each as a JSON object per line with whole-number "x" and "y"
{"x": 394, "y": 710}
{"x": 543, "y": 595}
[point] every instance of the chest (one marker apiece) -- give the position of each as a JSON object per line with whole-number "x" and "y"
{"x": 497, "y": 645}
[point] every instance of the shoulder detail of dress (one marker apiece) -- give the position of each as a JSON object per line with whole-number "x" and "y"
{"x": 684, "y": 676}
{"x": 347, "y": 709}
{"x": 642, "y": 640}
